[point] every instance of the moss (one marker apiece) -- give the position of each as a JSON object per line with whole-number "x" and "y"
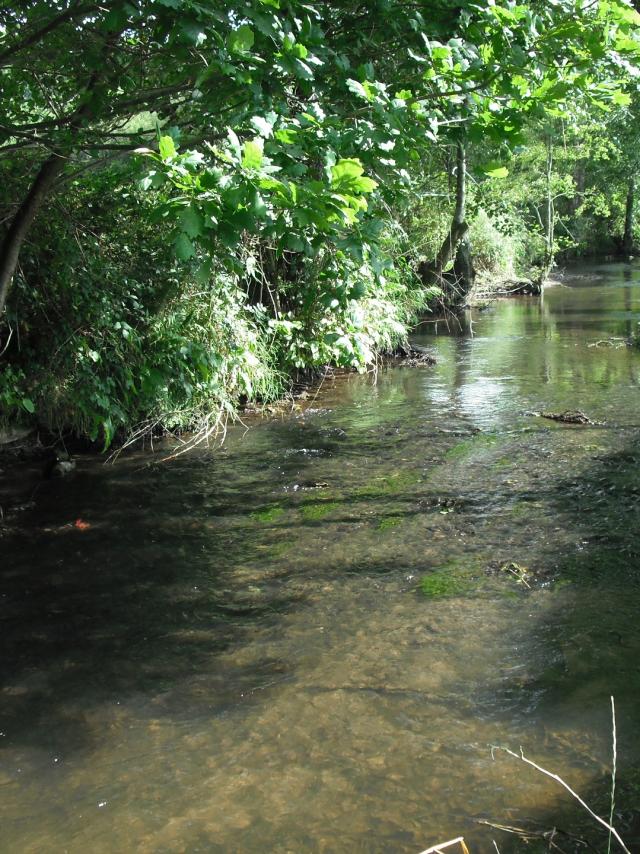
{"x": 389, "y": 522}
{"x": 401, "y": 480}
{"x": 457, "y": 577}
{"x": 521, "y": 509}
{"x": 269, "y": 514}
{"x": 468, "y": 446}
{"x": 274, "y": 550}
{"x": 388, "y": 485}
{"x": 318, "y": 510}
{"x": 502, "y": 463}
{"x": 444, "y": 582}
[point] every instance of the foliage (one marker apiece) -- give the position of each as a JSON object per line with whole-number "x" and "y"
{"x": 124, "y": 350}
{"x": 202, "y": 199}
{"x": 493, "y": 251}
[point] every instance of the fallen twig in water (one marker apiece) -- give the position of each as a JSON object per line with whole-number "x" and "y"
{"x": 547, "y": 835}
{"x": 613, "y": 768}
{"x": 436, "y": 849}
{"x": 606, "y": 824}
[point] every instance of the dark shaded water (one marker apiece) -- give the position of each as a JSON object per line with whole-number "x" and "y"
{"x": 231, "y": 658}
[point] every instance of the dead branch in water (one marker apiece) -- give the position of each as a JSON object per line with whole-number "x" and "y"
{"x": 612, "y": 831}
{"x": 436, "y": 849}
{"x": 549, "y": 836}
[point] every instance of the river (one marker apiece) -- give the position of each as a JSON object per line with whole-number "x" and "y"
{"x": 310, "y": 639}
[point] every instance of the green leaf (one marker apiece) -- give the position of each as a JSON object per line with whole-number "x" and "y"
{"x": 295, "y": 243}
{"x": 497, "y": 172}
{"x": 262, "y": 126}
{"x": 258, "y": 206}
{"x": 358, "y": 89}
{"x": 184, "y": 247}
{"x": 626, "y": 45}
{"x": 347, "y": 177}
{"x": 622, "y": 99}
{"x": 194, "y": 32}
{"x": 203, "y": 274}
{"x": 153, "y": 179}
{"x": 625, "y": 12}
{"x": 302, "y": 70}
{"x": 286, "y": 136}
{"x": 442, "y": 52}
{"x": 235, "y": 143}
{"x": 364, "y": 185}
{"x": 344, "y": 172}
{"x": 166, "y": 147}
{"x": 28, "y": 405}
{"x": 242, "y": 39}
{"x": 252, "y": 155}
{"x": 191, "y": 222}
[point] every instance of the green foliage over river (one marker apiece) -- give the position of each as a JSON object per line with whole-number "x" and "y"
{"x": 200, "y": 200}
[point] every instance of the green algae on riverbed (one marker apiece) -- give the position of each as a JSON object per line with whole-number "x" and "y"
{"x": 269, "y": 514}
{"x": 313, "y": 511}
{"x": 467, "y": 447}
{"x": 394, "y": 483}
{"x": 459, "y": 576}
{"x": 451, "y": 581}
{"x": 389, "y": 522}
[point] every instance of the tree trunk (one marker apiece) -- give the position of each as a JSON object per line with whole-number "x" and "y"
{"x": 432, "y": 273}
{"x": 22, "y": 221}
{"x": 550, "y": 216}
{"x": 464, "y": 270}
{"x": 44, "y": 181}
{"x": 627, "y": 240}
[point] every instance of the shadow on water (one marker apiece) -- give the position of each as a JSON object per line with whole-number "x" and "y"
{"x": 593, "y": 653}
{"x": 139, "y": 603}
{"x": 142, "y": 601}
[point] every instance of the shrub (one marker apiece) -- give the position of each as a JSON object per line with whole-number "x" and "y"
{"x": 493, "y": 251}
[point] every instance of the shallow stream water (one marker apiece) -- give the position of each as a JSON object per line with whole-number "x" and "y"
{"x": 310, "y": 640}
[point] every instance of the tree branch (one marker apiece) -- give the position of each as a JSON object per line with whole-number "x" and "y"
{"x": 70, "y": 14}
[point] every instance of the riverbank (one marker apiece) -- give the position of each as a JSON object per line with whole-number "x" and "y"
{"x": 492, "y": 287}
{"x": 27, "y": 457}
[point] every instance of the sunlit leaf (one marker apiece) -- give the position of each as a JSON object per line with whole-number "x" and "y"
{"x": 166, "y": 147}
{"x": 252, "y": 155}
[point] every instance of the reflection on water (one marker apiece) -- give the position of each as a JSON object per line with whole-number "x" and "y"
{"x": 236, "y": 655}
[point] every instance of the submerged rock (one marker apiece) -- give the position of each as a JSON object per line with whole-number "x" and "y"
{"x": 568, "y": 417}
{"x": 59, "y": 464}
{"x": 413, "y": 356}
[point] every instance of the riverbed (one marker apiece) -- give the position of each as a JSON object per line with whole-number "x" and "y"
{"x": 312, "y": 639}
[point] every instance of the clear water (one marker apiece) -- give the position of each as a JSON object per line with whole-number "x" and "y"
{"x": 231, "y": 659}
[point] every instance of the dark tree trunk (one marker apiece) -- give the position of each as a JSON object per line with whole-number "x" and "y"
{"x": 433, "y": 272}
{"x": 549, "y": 216}
{"x": 629, "y": 215}
{"x": 22, "y": 221}
{"x": 465, "y": 274}
{"x": 44, "y": 181}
